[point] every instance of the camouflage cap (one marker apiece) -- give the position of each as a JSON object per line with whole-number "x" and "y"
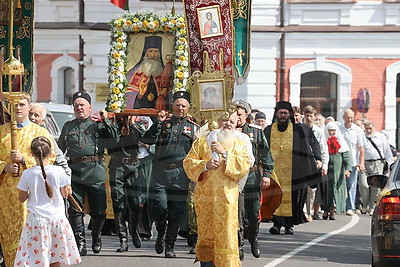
{"x": 243, "y": 104}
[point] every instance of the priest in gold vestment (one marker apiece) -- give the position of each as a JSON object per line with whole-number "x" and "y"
{"x": 217, "y": 165}
{"x": 12, "y": 212}
{"x": 294, "y": 164}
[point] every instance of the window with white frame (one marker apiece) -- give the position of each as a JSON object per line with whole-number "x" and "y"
{"x": 319, "y": 89}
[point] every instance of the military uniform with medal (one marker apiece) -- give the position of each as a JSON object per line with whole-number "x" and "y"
{"x": 173, "y": 137}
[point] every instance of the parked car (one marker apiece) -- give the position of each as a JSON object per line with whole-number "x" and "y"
{"x": 385, "y": 223}
{"x": 57, "y": 115}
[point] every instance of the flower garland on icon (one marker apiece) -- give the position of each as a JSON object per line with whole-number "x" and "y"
{"x": 117, "y": 58}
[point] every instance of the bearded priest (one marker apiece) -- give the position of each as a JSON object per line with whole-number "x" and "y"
{"x": 217, "y": 162}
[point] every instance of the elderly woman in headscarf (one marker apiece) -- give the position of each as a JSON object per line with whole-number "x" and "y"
{"x": 339, "y": 169}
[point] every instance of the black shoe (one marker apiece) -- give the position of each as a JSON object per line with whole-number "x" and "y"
{"x": 96, "y": 243}
{"x": 123, "y": 247}
{"x": 97, "y": 226}
{"x": 275, "y": 230}
{"x": 332, "y": 217}
{"x": 169, "y": 252}
{"x": 241, "y": 254}
{"x": 193, "y": 249}
{"x": 82, "y": 250}
{"x": 136, "y": 239}
{"x": 159, "y": 245}
{"x": 325, "y": 217}
{"x": 255, "y": 249}
{"x": 316, "y": 217}
{"x": 160, "y": 241}
{"x": 289, "y": 230}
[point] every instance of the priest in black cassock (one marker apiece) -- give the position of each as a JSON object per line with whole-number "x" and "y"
{"x": 294, "y": 165}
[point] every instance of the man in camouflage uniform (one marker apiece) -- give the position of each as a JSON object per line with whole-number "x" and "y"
{"x": 127, "y": 187}
{"x": 169, "y": 185}
{"x": 83, "y": 139}
{"x": 259, "y": 176}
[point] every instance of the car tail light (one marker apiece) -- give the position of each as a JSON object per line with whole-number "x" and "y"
{"x": 389, "y": 209}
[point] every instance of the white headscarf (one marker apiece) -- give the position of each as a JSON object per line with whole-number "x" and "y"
{"x": 343, "y": 144}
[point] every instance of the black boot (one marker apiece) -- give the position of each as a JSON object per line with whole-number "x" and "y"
{"x": 193, "y": 249}
{"x": 133, "y": 227}
{"x": 252, "y": 237}
{"x": 159, "y": 245}
{"x": 121, "y": 229}
{"x": 170, "y": 238}
{"x": 97, "y": 226}
{"x": 241, "y": 243}
{"x": 78, "y": 227}
{"x": 191, "y": 239}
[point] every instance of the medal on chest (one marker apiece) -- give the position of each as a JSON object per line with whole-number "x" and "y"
{"x": 251, "y": 136}
{"x": 187, "y": 130}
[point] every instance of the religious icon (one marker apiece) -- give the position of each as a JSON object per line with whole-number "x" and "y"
{"x": 209, "y": 21}
{"x": 150, "y": 71}
{"x": 211, "y": 95}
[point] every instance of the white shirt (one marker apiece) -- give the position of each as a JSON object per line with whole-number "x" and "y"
{"x": 382, "y": 143}
{"x": 320, "y": 136}
{"x": 38, "y": 201}
{"x": 355, "y": 138}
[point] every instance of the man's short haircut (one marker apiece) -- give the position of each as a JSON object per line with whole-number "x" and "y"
{"x": 309, "y": 110}
{"x": 42, "y": 108}
{"x": 26, "y": 96}
{"x": 369, "y": 123}
{"x": 296, "y": 109}
{"x": 347, "y": 111}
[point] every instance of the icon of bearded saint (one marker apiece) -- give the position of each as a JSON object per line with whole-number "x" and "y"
{"x": 149, "y": 80}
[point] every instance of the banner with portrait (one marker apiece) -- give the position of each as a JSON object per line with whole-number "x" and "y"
{"x": 23, "y": 35}
{"x": 148, "y": 61}
{"x": 210, "y": 29}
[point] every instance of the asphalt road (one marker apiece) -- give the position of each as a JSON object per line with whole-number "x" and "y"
{"x": 343, "y": 242}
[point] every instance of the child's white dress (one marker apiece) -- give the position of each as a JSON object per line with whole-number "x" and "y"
{"x": 47, "y": 236}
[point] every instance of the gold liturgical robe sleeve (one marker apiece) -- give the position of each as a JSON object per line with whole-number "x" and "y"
{"x": 235, "y": 167}
{"x": 196, "y": 160}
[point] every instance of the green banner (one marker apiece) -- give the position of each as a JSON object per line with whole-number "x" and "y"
{"x": 23, "y": 34}
{"x": 241, "y": 22}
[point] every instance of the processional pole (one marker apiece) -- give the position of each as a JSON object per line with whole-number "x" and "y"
{"x": 12, "y": 72}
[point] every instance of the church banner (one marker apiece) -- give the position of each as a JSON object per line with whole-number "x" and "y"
{"x": 242, "y": 22}
{"x": 23, "y": 35}
{"x": 210, "y": 29}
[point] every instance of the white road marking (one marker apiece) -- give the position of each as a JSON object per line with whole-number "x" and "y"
{"x": 354, "y": 220}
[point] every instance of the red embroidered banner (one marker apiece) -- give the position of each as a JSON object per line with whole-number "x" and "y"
{"x": 210, "y": 28}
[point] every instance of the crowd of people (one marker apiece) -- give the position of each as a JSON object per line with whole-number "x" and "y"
{"x": 170, "y": 172}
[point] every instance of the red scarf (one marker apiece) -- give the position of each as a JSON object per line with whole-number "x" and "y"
{"x": 333, "y": 145}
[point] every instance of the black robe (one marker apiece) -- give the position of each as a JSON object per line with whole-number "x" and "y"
{"x": 304, "y": 170}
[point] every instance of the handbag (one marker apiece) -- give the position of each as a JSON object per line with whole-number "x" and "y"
{"x": 385, "y": 164}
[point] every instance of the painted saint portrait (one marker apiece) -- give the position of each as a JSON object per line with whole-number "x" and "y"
{"x": 150, "y": 71}
{"x": 209, "y": 21}
{"x": 211, "y": 95}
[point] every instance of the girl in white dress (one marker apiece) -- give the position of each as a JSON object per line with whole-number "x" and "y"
{"x": 47, "y": 238}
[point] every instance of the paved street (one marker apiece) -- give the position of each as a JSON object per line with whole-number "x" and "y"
{"x": 343, "y": 242}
